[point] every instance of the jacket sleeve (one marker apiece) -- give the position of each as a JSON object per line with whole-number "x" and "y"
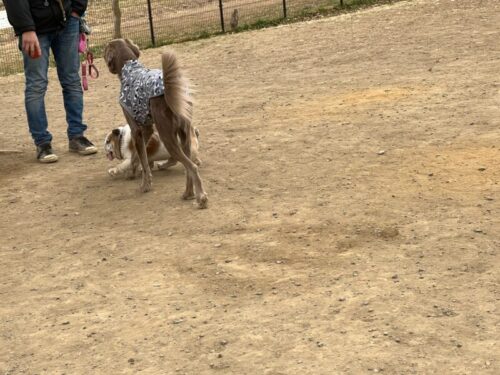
{"x": 79, "y": 6}
{"x": 19, "y": 15}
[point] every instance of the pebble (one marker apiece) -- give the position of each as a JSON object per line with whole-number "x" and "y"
{"x": 131, "y": 361}
{"x": 218, "y": 245}
{"x": 481, "y": 169}
{"x": 381, "y": 152}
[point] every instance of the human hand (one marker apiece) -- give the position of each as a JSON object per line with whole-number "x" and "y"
{"x": 74, "y": 14}
{"x": 31, "y": 46}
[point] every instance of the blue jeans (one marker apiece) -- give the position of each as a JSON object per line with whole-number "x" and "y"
{"x": 64, "y": 45}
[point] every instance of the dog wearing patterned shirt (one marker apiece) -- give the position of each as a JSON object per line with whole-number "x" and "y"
{"x": 160, "y": 98}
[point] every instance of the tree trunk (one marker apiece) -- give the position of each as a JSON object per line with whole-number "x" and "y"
{"x": 117, "y": 18}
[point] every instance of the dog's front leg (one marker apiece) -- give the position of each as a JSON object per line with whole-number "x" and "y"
{"x": 166, "y": 164}
{"x": 122, "y": 168}
{"x": 140, "y": 147}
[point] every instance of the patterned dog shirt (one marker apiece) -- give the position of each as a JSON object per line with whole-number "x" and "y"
{"x": 139, "y": 85}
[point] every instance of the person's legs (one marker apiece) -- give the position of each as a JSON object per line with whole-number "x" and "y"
{"x": 65, "y": 49}
{"x": 35, "y": 71}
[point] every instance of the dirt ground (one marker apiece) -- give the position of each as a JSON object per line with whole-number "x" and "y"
{"x": 352, "y": 166}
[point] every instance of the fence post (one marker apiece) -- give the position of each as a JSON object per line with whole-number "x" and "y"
{"x": 341, "y": 3}
{"x": 221, "y": 9}
{"x": 284, "y": 8}
{"x": 117, "y": 19}
{"x": 151, "y": 26}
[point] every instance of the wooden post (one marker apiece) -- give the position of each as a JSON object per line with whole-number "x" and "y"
{"x": 117, "y": 18}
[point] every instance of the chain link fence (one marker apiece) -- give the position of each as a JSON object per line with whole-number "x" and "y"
{"x": 158, "y": 22}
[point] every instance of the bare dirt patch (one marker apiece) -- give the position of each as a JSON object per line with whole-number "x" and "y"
{"x": 352, "y": 170}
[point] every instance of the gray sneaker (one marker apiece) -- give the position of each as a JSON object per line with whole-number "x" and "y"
{"x": 82, "y": 146}
{"x": 44, "y": 154}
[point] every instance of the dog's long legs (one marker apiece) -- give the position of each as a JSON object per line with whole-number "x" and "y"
{"x": 192, "y": 175}
{"x": 138, "y": 136}
{"x": 167, "y": 127}
{"x": 186, "y": 148}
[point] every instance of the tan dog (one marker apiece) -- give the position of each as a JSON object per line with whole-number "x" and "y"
{"x": 161, "y": 98}
{"x": 119, "y": 145}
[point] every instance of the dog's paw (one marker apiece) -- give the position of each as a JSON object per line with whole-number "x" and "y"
{"x": 146, "y": 184}
{"x": 197, "y": 161}
{"x": 202, "y": 201}
{"x": 188, "y": 195}
{"x": 113, "y": 172}
{"x": 145, "y": 187}
{"x": 161, "y": 165}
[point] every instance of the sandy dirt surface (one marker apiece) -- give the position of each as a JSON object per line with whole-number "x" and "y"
{"x": 352, "y": 166}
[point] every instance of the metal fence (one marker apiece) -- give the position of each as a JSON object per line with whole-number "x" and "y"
{"x": 157, "y": 22}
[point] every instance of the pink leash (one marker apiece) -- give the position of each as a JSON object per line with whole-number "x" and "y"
{"x": 88, "y": 67}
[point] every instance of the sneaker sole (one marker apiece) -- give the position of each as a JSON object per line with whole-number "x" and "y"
{"x": 49, "y": 159}
{"x": 87, "y": 151}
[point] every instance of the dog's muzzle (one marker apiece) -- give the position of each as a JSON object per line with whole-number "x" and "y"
{"x": 109, "y": 150}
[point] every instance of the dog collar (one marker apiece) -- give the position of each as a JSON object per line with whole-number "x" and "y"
{"x": 120, "y": 140}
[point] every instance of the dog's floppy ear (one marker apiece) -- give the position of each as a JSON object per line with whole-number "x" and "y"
{"x": 133, "y": 47}
{"x": 116, "y": 132}
{"x": 109, "y": 57}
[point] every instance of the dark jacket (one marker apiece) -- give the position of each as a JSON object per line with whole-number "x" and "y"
{"x": 42, "y": 16}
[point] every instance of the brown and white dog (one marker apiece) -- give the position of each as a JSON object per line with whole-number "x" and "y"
{"x": 119, "y": 145}
{"x": 170, "y": 113}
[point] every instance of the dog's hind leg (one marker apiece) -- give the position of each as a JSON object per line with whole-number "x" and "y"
{"x": 167, "y": 126}
{"x": 186, "y": 148}
{"x": 138, "y": 136}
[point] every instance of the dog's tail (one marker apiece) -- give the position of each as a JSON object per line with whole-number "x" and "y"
{"x": 176, "y": 87}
